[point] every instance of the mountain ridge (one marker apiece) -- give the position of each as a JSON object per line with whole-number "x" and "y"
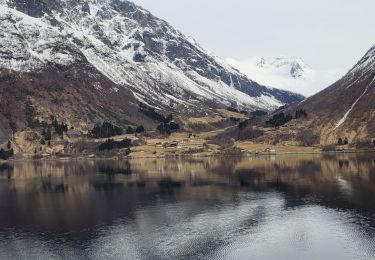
{"x": 346, "y": 108}
{"x": 132, "y": 47}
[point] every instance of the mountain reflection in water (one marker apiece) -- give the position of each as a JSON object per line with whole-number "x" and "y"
{"x": 284, "y": 207}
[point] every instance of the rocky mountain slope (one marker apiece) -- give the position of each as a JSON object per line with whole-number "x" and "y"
{"x": 67, "y": 93}
{"x": 346, "y": 108}
{"x": 132, "y": 48}
{"x": 287, "y": 73}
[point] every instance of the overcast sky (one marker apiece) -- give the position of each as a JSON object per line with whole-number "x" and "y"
{"x": 327, "y": 34}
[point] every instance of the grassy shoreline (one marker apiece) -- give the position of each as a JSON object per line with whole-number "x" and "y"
{"x": 177, "y": 145}
{"x": 182, "y": 156}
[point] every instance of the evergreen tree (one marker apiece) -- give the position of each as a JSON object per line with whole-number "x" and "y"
{"x": 9, "y": 145}
{"x": 243, "y": 124}
{"x": 140, "y": 129}
{"x": 258, "y": 113}
{"x": 244, "y": 112}
{"x": 340, "y": 142}
{"x": 105, "y": 130}
{"x": 164, "y": 128}
{"x": 5, "y": 155}
{"x": 48, "y": 135}
{"x": 300, "y": 113}
{"x": 151, "y": 113}
{"x": 174, "y": 126}
{"x": 279, "y": 119}
{"x": 54, "y": 122}
{"x": 130, "y": 130}
{"x": 169, "y": 118}
{"x": 112, "y": 144}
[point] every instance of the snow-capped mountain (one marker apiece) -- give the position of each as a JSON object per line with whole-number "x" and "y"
{"x": 287, "y": 73}
{"x": 292, "y": 67}
{"x": 347, "y": 107}
{"x": 131, "y": 47}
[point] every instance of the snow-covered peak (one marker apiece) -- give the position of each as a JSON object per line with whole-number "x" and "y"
{"x": 366, "y": 63}
{"x": 291, "y": 74}
{"x": 295, "y": 67}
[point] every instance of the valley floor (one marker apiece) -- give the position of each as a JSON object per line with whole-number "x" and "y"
{"x": 220, "y": 135}
{"x": 177, "y": 145}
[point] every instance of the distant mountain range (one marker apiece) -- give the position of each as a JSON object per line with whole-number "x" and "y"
{"x": 99, "y": 59}
{"x": 89, "y": 61}
{"x": 287, "y": 73}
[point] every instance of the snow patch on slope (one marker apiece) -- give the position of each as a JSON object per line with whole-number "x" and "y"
{"x": 343, "y": 119}
{"x": 21, "y": 50}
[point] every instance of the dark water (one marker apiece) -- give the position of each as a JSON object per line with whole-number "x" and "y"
{"x": 287, "y": 207}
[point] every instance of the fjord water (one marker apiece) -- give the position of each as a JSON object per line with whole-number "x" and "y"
{"x": 284, "y": 207}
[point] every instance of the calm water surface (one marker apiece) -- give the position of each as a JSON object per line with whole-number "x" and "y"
{"x": 284, "y": 207}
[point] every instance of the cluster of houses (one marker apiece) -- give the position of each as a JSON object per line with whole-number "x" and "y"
{"x": 177, "y": 145}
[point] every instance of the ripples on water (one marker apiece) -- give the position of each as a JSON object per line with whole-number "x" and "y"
{"x": 287, "y": 207}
